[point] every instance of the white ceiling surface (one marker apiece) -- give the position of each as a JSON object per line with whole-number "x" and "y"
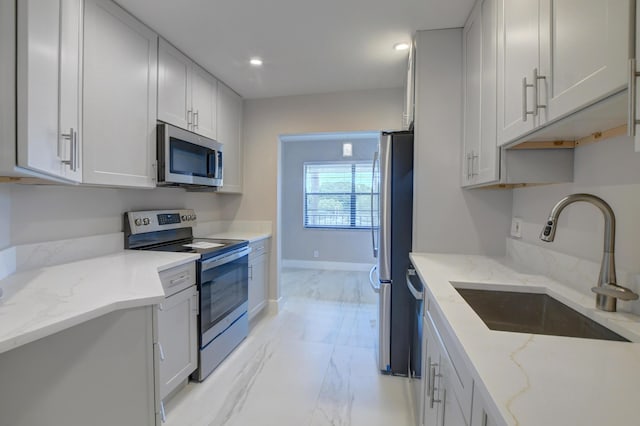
{"x": 308, "y": 46}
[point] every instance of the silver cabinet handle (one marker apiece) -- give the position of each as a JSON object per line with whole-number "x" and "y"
{"x": 418, "y": 295}
{"x": 474, "y": 157}
{"x": 69, "y": 137}
{"x": 163, "y": 416}
{"x": 525, "y": 111}
{"x": 537, "y": 105}
{"x": 76, "y": 157}
{"x": 180, "y": 280}
{"x": 433, "y": 375}
{"x": 196, "y": 119}
{"x": 631, "y": 120}
{"x": 161, "y": 351}
{"x": 189, "y": 118}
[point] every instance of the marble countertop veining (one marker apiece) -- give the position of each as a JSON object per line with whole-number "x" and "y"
{"x": 42, "y": 301}
{"x": 532, "y": 379}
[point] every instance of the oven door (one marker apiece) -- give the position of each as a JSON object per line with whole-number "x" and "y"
{"x": 224, "y": 288}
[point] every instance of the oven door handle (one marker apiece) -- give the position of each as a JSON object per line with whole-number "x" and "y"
{"x": 418, "y": 295}
{"x": 230, "y": 257}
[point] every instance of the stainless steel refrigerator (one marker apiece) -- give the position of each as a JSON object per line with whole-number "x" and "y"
{"x": 391, "y": 231}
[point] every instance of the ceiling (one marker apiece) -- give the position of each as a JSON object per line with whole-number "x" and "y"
{"x": 308, "y": 46}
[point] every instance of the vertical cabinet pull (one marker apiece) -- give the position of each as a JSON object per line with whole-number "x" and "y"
{"x": 74, "y": 157}
{"x": 189, "y": 118}
{"x": 161, "y": 351}
{"x": 537, "y": 105}
{"x": 196, "y": 119}
{"x": 474, "y": 157}
{"x": 432, "y": 376}
{"x": 525, "y": 111}
{"x": 163, "y": 416}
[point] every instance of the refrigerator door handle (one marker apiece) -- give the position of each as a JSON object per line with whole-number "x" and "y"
{"x": 373, "y": 228}
{"x": 375, "y": 284}
{"x": 418, "y": 295}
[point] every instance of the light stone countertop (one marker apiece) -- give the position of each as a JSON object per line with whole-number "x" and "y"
{"x": 532, "y": 379}
{"x": 42, "y": 301}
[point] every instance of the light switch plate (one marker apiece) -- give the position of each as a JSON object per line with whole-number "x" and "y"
{"x": 516, "y": 227}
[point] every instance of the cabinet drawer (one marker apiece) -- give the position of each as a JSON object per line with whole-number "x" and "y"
{"x": 259, "y": 248}
{"x": 462, "y": 380}
{"x": 178, "y": 278}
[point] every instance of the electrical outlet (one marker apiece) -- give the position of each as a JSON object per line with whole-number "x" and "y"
{"x": 316, "y": 253}
{"x": 516, "y": 227}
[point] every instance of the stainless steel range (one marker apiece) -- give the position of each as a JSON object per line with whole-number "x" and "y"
{"x": 222, "y": 278}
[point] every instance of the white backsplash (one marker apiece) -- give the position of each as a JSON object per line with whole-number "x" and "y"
{"x": 579, "y": 274}
{"x": 222, "y": 226}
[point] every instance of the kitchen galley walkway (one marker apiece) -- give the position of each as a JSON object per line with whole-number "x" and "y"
{"x": 313, "y": 364}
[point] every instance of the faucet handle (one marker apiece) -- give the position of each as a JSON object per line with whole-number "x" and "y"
{"x": 614, "y": 290}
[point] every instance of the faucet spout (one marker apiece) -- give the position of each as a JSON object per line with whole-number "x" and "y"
{"x": 605, "y": 300}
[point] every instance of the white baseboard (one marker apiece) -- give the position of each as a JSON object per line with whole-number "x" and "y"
{"x": 336, "y": 266}
{"x": 275, "y": 306}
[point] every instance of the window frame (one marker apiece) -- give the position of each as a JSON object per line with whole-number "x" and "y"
{"x": 352, "y": 196}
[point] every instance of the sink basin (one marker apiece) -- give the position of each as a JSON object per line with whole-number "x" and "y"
{"x": 533, "y": 313}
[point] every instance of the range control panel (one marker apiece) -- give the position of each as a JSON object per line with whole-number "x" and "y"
{"x": 158, "y": 220}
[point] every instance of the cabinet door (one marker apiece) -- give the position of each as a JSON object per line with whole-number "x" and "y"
{"x": 432, "y": 397}
{"x": 178, "y": 338}
{"x": 451, "y": 411}
{"x": 229, "y": 133}
{"x": 517, "y": 58}
{"x": 258, "y": 268}
{"x": 584, "y": 52}
{"x": 204, "y": 94}
{"x": 49, "y": 37}
{"x": 472, "y": 77}
{"x": 174, "y": 86}
{"x": 480, "y": 416}
{"x": 120, "y": 90}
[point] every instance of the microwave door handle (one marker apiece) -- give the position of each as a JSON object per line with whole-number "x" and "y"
{"x": 219, "y": 165}
{"x": 211, "y": 166}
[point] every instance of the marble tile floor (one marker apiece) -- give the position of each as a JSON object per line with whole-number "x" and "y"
{"x": 313, "y": 364}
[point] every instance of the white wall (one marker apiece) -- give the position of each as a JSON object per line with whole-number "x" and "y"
{"x": 266, "y": 119}
{"x": 298, "y": 242}
{"x": 30, "y": 213}
{"x": 448, "y": 219}
{"x": 5, "y": 216}
{"x": 609, "y": 169}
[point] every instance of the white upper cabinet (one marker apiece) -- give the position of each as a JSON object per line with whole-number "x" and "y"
{"x": 187, "y": 94}
{"x": 480, "y": 153}
{"x": 556, "y": 57}
{"x": 517, "y": 58}
{"x": 120, "y": 93}
{"x": 229, "y": 134}
{"x": 174, "y": 86}
{"x": 49, "y": 87}
{"x": 204, "y": 96}
{"x": 584, "y": 52}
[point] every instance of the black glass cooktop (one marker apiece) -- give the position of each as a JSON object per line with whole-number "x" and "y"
{"x": 206, "y": 247}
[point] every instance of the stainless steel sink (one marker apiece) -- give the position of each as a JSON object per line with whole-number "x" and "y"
{"x": 533, "y": 313}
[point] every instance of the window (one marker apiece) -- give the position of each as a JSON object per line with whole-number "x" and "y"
{"x": 338, "y": 195}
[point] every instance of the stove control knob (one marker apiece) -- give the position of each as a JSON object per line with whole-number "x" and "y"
{"x": 195, "y": 217}
{"x": 138, "y": 222}
{"x": 146, "y": 221}
{"x": 184, "y": 217}
{"x": 191, "y": 217}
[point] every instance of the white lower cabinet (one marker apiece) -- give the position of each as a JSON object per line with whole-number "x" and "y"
{"x": 177, "y": 338}
{"x": 443, "y": 405}
{"x": 479, "y": 414}
{"x": 258, "y": 276}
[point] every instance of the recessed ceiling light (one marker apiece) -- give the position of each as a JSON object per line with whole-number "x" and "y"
{"x": 401, "y": 46}
{"x": 256, "y": 62}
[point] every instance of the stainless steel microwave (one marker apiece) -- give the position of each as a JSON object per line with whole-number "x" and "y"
{"x": 187, "y": 159}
